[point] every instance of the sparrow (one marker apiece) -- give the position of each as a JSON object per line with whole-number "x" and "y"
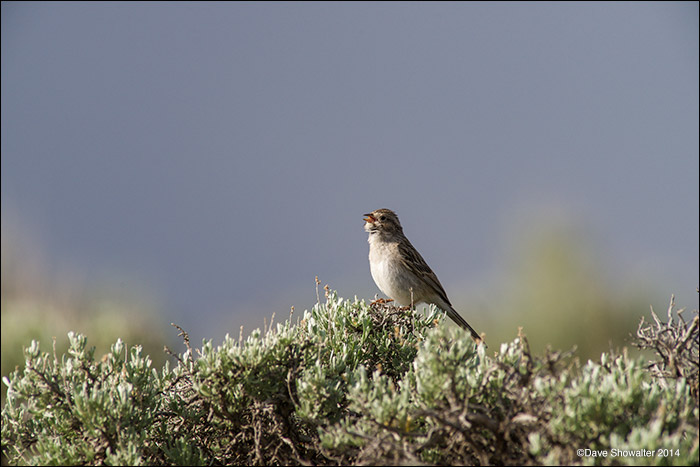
{"x": 400, "y": 271}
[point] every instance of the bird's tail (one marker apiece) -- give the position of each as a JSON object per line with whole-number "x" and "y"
{"x": 457, "y": 318}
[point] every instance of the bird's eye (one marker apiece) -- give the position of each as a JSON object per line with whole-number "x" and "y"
{"x": 382, "y": 218}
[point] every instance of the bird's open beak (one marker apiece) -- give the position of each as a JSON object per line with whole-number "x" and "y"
{"x": 369, "y": 218}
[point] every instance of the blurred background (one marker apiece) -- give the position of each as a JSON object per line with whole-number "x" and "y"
{"x": 201, "y": 163}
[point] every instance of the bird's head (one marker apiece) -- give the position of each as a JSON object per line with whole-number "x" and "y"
{"x": 382, "y": 221}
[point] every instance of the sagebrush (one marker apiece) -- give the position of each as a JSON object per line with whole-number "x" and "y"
{"x": 357, "y": 383}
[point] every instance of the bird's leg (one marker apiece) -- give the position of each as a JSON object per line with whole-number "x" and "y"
{"x": 412, "y": 305}
{"x": 380, "y": 301}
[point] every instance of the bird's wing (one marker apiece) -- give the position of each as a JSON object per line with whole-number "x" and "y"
{"x": 414, "y": 261}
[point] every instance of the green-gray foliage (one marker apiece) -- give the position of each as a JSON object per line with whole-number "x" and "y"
{"x": 350, "y": 383}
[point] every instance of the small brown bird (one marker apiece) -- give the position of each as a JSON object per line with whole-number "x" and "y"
{"x": 400, "y": 271}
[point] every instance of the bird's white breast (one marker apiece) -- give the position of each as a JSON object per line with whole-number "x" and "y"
{"x": 386, "y": 271}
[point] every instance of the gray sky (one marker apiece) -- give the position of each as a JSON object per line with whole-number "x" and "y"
{"x": 222, "y": 154}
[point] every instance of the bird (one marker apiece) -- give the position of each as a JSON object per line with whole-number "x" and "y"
{"x": 400, "y": 271}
